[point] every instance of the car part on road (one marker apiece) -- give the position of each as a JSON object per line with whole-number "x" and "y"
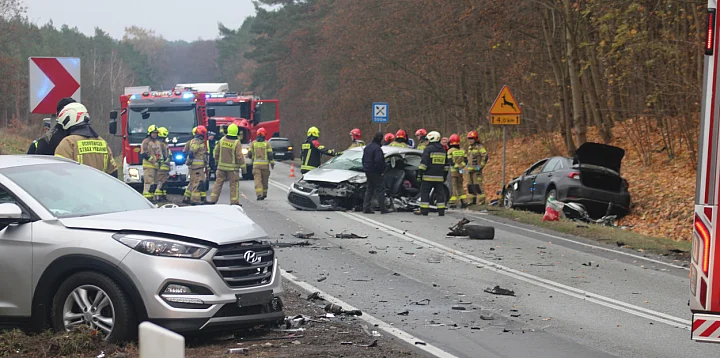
{"x": 302, "y": 235}
{"x": 291, "y": 244}
{"x": 336, "y": 309}
{"x": 497, "y": 290}
{"x": 459, "y": 228}
{"x": 350, "y": 236}
{"x": 480, "y": 232}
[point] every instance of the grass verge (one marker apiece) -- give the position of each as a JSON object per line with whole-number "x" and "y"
{"x": 81, "y": 342}
{"x": 608, "y": 235}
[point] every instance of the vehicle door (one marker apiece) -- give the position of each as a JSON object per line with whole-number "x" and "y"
{"x": 394, "y": 173}
{"x": 526, "y": 185}
{"x": 15, "y": 259}
{"x": 543, "y": 179}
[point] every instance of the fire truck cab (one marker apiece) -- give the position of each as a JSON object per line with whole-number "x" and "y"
{"x": 178, "y": 111}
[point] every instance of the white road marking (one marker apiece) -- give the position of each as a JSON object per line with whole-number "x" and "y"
{"x": 522, "y": 276}
{"x": 396, "y": 332}
{"x": 578, "y": 242}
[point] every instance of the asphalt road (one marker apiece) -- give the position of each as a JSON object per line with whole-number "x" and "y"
{"x": 572, "y": 299}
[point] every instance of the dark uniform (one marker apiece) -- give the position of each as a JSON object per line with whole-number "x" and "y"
{"x": 312, "y": 152}
{"x": 434, "y": 168}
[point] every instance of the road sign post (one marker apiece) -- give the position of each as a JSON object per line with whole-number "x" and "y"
{"x": 380, "y": 114}
{"x": 51, "y": 79}
{"x": 505, "y": 111}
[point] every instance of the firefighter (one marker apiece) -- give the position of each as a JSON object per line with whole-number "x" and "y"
{"x": 196, "y": 153}
{"x": 164, "y": 165}
{"x": 262, "y": 155}
{"x": 82, "y": 143}
{"x": 47, "y": 144}
{"x": 389, "y": 138}
{"x": 421, "y": 140}
{"x": 434, "y": 168}
{"x": 34, "y": 145}
{"x": 400, "y": 140}
{"x": 477, "y": 157}
{"x": 187, "y": 195}
{"x": 357, "y": 141}
{"x": 312, "y": 151}
{"x": 457, "y": 158}
{"x": 150, "y": 153}
{"x": 230, "y": 159}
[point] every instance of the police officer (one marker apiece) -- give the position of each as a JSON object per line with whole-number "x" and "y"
{"x": 434, "y": 168}
{"x": 230, "y": 159}
{"x": 262, "y": 155}
{"x": 82, "y": 144}
{"x": 196, "y": 153}
{"x": 163, "y": 172}
{"x": 312, "y": 151}
{"x": 476, "y": 159}
{"x": 357, "y": 141}
{"x": 150, "y": 152}
{"x": 400, "y": 140}
{"x": 457, "y": 158}
{"x": 421, "y": 140}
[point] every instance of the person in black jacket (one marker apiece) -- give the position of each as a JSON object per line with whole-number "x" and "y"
{"x": 47, "y": 144}
{"x": 312, "y": 151}
{"x": 374, "y": 167}
{"x": 434, "y": 168}
{"x": 34, "y": 144}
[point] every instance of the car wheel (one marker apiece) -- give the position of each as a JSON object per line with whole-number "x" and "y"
{"x": 509, "y": 198}
{"x": 480, "y": 232}
{"x": 552, "y": 192}
{"x": 93, "y": 299}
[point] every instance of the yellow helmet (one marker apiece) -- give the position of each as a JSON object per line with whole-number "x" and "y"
{"x": 194, "y": 131}
{"x": 152, "y": 128}
{"x": 232, "y": 130}
{"x": 313, "y": 131}
{"x": 162, "y": 132}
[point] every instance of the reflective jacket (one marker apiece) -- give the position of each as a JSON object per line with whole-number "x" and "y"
{"x": 435, "y": 164}
{"x": 356, "y": 144}
{"x": 90, "y": 151}
{"x": 165, "y": 156}
{"x": 196, "y": 151}
{"x": 457, "y": 159}
{"x": 476, "y": 157}
{"x": 312, "y": 150}
{"x": 395, "y": 143}
{"x": 151, "y": 153}
{"x": 422, "y": 144}
{"x": 228, "y": 154}
{"x": 261, "y": 154}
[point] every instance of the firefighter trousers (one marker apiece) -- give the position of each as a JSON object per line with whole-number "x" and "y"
{"x": 197, "y": 181}
{"x": 149, "y": 181}
{"x": 221, "y": 176}
{"x": 438, "y": 188}
{"x": 261, "y": 176}
{"x": 162, "y": 178}
{"x": 458, "y": 190}
{"x": 473, "y": 183}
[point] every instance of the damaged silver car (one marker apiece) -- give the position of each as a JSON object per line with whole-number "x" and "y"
{"x": 339, "y": 184}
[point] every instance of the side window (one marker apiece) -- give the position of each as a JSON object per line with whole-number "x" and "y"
{"x": 535, "y": 169}
{"x": 551, "y": 165}
{"x": 5, "y": 197}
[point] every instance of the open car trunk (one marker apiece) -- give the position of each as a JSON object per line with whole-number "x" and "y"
{"x": 599, "y": 166}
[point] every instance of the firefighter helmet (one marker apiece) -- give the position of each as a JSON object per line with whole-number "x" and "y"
{"x": 313, "y": 132}
{"x": 73, "y": 114}
{"x": 421, "y": 132}
{"x": 163, "y": 132}
{"x": 261, "y": 132}
{"x": 433, "y": 137}
{"x": 194, "y": 130}
{"x": 454, "y": 139}
{"x": 201, "y": 130}
{"x": 232, "y": 130}
{"x": 152, "y": 128}
{"x": 473, "y": 135}
{"x": 401, "y": 134}
{"x": 356, "y": 134}
{"x": 389, "y": 137}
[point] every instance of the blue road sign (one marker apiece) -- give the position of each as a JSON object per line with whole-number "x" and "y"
{"x": 380, "y": 112}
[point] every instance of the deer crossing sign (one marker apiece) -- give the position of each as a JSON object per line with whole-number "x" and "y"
{"x": 505, "y": 110}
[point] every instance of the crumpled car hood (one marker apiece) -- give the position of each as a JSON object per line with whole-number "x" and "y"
{"x": 219, "y": 224}
{"x": 330, "y": 175}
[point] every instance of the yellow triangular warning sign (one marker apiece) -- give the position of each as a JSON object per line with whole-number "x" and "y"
{"x": 505, "y": 103}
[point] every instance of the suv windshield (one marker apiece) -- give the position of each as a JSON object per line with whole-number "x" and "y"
{"x": 69, "y": 190}
{"x": 231, "y": 109}
{"x": 177, "y": 119}
{"x": 279, "y": 143}
{"x": 350, "y": 160}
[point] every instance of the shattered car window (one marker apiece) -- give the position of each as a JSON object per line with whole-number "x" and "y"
{"x": 350, "y": 160}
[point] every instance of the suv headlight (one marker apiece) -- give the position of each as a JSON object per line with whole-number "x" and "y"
{"x": 161, "y": 247}
{"x": 358, "y": 179}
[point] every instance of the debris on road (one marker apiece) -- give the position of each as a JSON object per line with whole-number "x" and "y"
{"x": 371, "y": 345}
{"x": 321, "y": 279}
{"x": 279, "y": 244}
{"x": 243, "y": 351}
{"x": 302, "y": 235}
{"x": 346, "y": 343}
{"x": 336, "y": 309}
{"x": 424, "y": 302}
{"x": 473, "y": 231}
{"x": 487, "y": 317}
{"x": 372, "y": 252}
{"x": 403, "y": 313}
{"x": 350, "y": 236}
{"x": 315, "y": 296}
{"x": 459, "y": 308}
{"x": 459, "y": 228}
{"x": 419, "y": 343}
{"x": 497, "y": 290}
{"x": 433, "y": 261}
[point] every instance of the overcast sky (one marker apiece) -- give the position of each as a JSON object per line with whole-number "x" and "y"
{"x": 173, "y": 19}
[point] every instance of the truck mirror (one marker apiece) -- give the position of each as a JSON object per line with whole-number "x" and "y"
{"x": 113, "y": 115}
{"x": 113, "y": 127}
{"x": 145, "y": 115}
{"x": 211, "y": 112}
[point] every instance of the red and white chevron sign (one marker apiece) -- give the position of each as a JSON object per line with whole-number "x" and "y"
{"x": 51, "y": 79}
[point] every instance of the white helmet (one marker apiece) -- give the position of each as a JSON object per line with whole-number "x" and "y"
{"x": 72, "y": 115}
{"x": 433, "y": 137}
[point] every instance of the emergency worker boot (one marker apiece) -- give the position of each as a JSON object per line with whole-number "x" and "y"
{"x": 441, "y": 212}
{"x": 260, "y": 197}
{"x": 463, "y": 205}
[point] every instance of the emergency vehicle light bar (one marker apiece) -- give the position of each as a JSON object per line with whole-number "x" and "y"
{"x": 704, "y": 234}
{"x": 710, "y": 41}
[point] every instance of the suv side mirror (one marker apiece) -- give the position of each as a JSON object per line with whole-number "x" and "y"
{"x": 211, "y": 112}
{"x": 11, "y": 213}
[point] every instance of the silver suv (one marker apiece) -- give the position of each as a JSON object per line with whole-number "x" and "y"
{"x": 78, "y": 246}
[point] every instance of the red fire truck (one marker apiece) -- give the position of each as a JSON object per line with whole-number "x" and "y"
{"x": 705, "y": 261}
{"x": 178, "y": 111}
